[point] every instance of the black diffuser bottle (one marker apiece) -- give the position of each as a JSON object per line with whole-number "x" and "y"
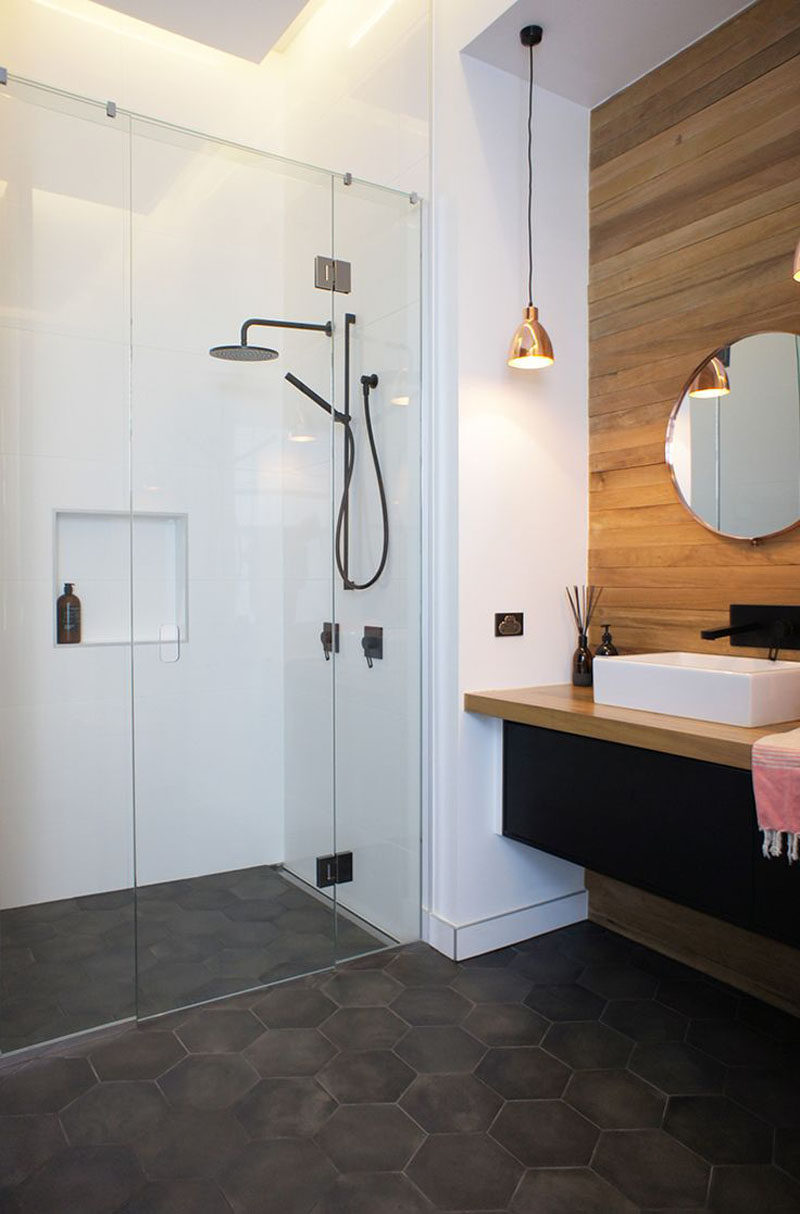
{"x": 68, "y": 617}
{"x": 582, "y": 663}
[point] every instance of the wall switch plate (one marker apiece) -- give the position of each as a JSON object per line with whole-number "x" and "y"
{"x": 509, "y": 623}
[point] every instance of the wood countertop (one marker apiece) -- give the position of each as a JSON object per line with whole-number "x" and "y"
{"x": 573, "y": 710}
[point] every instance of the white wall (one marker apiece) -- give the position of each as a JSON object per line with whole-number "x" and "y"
{"x": 510, "y": 476}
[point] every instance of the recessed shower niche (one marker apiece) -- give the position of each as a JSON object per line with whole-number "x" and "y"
{"x": 93, "y": 550}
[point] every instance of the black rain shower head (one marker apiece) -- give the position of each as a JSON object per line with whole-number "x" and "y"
{"x": 262, "y": 354}
{"x": 244, "y": 354}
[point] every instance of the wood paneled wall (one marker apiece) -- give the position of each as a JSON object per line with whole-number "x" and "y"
{"x": 694, "y": 216}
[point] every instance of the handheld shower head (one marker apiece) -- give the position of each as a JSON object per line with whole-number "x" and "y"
{"x": 244, "y": 354}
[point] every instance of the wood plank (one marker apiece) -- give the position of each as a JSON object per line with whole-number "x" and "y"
{"x": 673, "y": 240}
{"x": 761, "y": 967}
{"x": 764, "y": 168}
{"x": 720, "y": 252}
{"x": 570, "y": 709}
{"x": 759, "y": 102}
{"x": 746, "y": 32}
{"x": 670, "y": 111}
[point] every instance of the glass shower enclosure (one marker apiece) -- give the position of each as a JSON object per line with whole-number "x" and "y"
{"x": 218, "y": 786}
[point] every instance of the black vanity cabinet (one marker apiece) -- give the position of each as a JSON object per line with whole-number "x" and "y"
{"x": 681, "y": 828}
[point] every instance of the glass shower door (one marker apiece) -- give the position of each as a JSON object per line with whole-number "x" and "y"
{"x": 377, "y": 579}
{"x": 230, "y": 524}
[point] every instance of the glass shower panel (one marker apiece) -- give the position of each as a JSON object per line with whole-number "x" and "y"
{"x": 66, "y": 847}
{"x": 377, "y": 580}
{"x": 216, "y": 239}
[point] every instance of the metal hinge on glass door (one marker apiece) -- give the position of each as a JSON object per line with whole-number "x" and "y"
{"x": 331, "y": 274}
{"x": 334, "y": 870}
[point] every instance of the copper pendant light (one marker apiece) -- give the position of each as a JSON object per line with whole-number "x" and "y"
{"x": 711, "y": 380}
{"x": 530, "y": 347}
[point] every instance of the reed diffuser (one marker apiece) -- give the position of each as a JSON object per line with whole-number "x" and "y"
{"x": 583, "y": 602}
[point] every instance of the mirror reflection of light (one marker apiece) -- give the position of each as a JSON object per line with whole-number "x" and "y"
{"x": 301, "y": 438}
{"x": 401, "y": 400}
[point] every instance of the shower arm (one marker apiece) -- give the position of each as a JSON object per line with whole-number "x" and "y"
{"x": 283, "y": 324}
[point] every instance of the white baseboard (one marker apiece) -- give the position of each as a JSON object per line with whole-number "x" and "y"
{"x": 463, "y": 940}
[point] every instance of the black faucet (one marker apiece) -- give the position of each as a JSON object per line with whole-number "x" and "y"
{"x": 779, "y": 630}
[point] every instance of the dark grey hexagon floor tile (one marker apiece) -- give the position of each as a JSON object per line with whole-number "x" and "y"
{"x": 698, "y": 1000}
{"x": 616, "y": 1100}
{"x": 292, "y": 1006}
{"x": 377, "y": 960}
{"x": 568, "y": 1191}
{"x": 253, "y": 910}
{"x": 244, "y": 962}
{"x": 208, "y": 1081}
{"x": 219, "y": 1030}
{"x": 451, "y": 1104}
{"x": 370, "y": 1138}
{"x": 547, "y": 966}
{"x": 492, "y": 985}
{"x": 587, "y": 1045}
{"x": 118, "y": 1111}
{"x": 423, "y": 967}
{"x": 595, "y": 947}
{"x": 26, "y": 1142}
{"x": 773, "y": 1094}
{"x": 741, "y": 1190}
{"x": 137, "y": 1055}
{"x": 566, "y": 1001}
{"x": 285, "y": 1108}
{"x": 770, "y": 1020}
{"x": 361, "y": 988}
{"x": 506, "y": 1024}
{"x": 440, "y": 1049}
{"x": 191, "y": 1144}
{"x": 375, "y": 1076}
{"x": 523, "y": 1074}
{"x": 498, "y": 959}
{"x": 736, "y": 1044}
{"x": 676, "y": 1068}
{"x": 545, "y": 1133}
{"x": 664, "y": 968}
{"x": 431, "y": 1005}
{"x": 177, "y": 1197}
{"x": 645, "y": 1020}
{"x": 787, "y": 1151}
{"x": 201, "y": 898}
{"x": 291, "y": 1174}
{"x": 45, "y": 1085}
{"x": 290, "y": 1052}
{"x": 465, "y": 1171}
{"x": 618, "y": 981}
{"x": 373, "y": 1194}
{"x": 651, "y": 1168}
{"x": 364, "y": 1028}
{"x": 94, "y": 1180}
{"x": 68, "y": 948}
{"x": 719, "y": 1130}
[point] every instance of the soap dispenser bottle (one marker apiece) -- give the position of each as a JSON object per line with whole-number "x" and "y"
{"x": 68, "y": 617}
{"x": 606, "y": 648}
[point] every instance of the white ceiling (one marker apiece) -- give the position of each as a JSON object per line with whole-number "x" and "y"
{"x": 247, "y": 28}
{"x": 593, "y": 48}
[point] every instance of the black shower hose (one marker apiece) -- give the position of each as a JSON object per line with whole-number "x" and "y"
{"x": 368, "y": 382}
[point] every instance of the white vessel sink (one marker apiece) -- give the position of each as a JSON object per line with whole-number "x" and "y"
{"x": 705, "y": 686}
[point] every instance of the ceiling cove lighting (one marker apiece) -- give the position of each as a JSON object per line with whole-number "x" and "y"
{"x": 710, "y": 380}
{"x": 530, "y": 347}
{"x": 796, "y": 266}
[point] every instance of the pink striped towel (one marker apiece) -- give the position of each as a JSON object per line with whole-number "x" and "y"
{"x": 776, "y": 783}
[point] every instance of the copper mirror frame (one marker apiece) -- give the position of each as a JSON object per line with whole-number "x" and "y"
{"x": 669, "y": 445}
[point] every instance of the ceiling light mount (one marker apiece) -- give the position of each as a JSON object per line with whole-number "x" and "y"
{"x": 530, "y": 35}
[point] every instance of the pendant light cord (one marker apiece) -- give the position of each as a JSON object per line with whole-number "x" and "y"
{"x": 530, "y": 180}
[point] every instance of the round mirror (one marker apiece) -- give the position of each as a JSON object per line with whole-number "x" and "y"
{"x": 733, "y": 439}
